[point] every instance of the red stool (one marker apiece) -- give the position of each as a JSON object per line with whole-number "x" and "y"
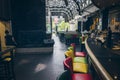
{"x": 77, "y": 54}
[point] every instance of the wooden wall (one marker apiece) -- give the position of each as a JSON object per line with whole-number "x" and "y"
{"x": 5, "y": 10}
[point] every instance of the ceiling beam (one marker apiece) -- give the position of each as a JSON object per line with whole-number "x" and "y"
{"x": 66, "y": 2}
{"x": 77, "y": 3}
{"x": 62, "y": 9}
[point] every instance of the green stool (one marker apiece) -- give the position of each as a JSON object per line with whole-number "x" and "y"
{"x": 80, "y": 60}
{"x": 71, "y": 48}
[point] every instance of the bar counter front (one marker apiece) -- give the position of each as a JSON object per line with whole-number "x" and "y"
{"x": 105, "y": 61}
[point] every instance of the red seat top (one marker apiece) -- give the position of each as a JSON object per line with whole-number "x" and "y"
{"x": 80, "y": 54}
{"x": 78, "y": 76}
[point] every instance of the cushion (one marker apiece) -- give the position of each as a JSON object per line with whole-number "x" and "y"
{"x": 6, "y": 54}
{"x": 80, "y": 67}
{"x": 80, "y": 60}
{"x": 7, "y": 59}
{"x": 77, "y": 76}
{"x": 69, "y": 53}
{"x": 80, "y": 54}
{"x": 70, "y": 48}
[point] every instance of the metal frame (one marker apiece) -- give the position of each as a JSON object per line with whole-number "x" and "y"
{"x": 68, "y": 5}
{"x": 62, "y": 9}
{"x": 71, "y": 7}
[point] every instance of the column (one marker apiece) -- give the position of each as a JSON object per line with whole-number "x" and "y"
{"x": 79, "y": 26}
{"x": 104, "y": 17}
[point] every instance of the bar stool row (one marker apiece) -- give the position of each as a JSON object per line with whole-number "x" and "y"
{"x": 72, "y": 38}
{"x": 76, "y": 64}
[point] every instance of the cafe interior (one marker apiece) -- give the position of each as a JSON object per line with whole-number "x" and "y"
{"x": 59, "y": 39}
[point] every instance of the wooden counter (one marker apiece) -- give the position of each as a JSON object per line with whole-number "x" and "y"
{"x": 105, "y": 60}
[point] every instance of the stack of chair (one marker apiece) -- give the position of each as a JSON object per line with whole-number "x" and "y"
{"x": 75, "y": 38}
{"x": 6, "y": 67}
{"x": 68, "y": 39}
{"x": 71, "y": 38}
{"x": 76, "y": 64}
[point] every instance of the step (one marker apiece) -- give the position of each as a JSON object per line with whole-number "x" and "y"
{"x": 38, "y": 50}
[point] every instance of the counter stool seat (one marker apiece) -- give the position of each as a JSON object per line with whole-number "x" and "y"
{"x": 81, "y": 76}
{"x": 80, "y": 54}
{"x": 80, "y": 67}
{"x": 77, "y": 54}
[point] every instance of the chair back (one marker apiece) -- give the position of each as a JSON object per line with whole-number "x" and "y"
{"x": 81, "y": 54}
{"x": 74, "y": 47}
{"x": 69, "y": 54}
{"x": 68, "y": 64}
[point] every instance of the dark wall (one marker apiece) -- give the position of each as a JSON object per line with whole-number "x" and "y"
{"x": 88, "y": 23}
{"x": 105, "y": 3}
{"x": 5, "y": 10}
{"x": 28, "y": 16}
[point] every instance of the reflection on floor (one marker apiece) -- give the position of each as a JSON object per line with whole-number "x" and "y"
{"x": 39, "y": 66}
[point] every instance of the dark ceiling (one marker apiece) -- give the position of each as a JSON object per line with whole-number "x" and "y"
{"x": 106, "y": 3}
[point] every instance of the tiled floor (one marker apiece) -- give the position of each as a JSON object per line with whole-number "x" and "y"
{"x": 41, "y": 66}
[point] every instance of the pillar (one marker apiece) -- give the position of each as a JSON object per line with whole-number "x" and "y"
{"x": 79, "y": 26}
{"x": 104, "y": 17}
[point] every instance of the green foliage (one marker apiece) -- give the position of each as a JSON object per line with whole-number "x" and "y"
{"x": 63, "y": 26}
